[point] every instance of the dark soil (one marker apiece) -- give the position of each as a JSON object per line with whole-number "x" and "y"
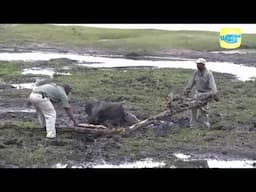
{"x": 24, "y": 145}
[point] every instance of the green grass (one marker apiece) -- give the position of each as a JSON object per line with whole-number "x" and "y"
{"x": 144, "y": 92}
{"x": 144, "y": 89}
{"x": 144, "y": 41}
{"x": 9, "y": 69}
{"x": 25, "y": 124}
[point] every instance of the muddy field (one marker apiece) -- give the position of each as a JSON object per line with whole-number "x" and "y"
{"x": 23, "y": 143}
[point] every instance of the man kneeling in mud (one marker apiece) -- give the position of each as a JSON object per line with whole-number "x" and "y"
{"x": 109, "y": 114}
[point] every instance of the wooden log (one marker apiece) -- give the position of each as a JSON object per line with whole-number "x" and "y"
{"x": 93, "y": 129}
{"x": 96, "y": 131}
{"x": 176, "y": 104}
{"x": 92, "y": 126}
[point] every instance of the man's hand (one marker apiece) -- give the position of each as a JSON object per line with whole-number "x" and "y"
{"x": 186, "y": 93}
{"x": 75, "y": 123}
{"x": 169, "y": 97}
{"x": 29, "y": 103}
{"x": 71, "y": 116}
{"x": 201, "y": 96}
{"x": 216, "y": 97}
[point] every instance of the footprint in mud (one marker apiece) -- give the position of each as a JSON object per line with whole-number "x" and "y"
{"x": 192, "y": 164}
{"x": 111, "y": 145}
{"x": 56, "y": 142}
{"x": 13, "y": 142}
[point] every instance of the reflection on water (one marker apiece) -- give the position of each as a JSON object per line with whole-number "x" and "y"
{"x": 181, "y": 156}
{"x": 149, "y": 163}
{"x": 40, "y": 71}
{"x": 24, "y": 85}
{"x": 43, "y": 56}
{"x": 16, "y": 110}
{"x": 239, "y": 51}
{"x": 213, "y": 163}
{"x": 37, "y": 71}
{"x": 137, "y": 164}
{"x": 219, "y": 163}
{"x": 242, "y": 72}
{"x": 146, "y": 163}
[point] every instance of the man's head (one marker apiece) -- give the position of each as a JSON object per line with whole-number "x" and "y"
{"x": 67, "y": 88}
{"x": 200, "y": 63}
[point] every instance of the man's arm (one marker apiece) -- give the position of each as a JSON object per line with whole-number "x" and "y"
{"x": 212, "y": 84}
{"x": 190, "y": 84}
{"x": 70, "y": 114}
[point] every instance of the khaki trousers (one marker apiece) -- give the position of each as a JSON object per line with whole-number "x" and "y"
{"x": 200, "y": 117}
{"x": 45, "y": 112}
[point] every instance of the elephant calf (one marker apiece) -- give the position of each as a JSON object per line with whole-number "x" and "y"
{"x": 109, "y": 114}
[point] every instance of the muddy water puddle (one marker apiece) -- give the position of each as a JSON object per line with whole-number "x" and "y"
{"x": 24, "y": 85}
{"x": 145, "y": 163}
{"x": 16, "y": 110}
{"x": 43, "y": 71}
{"x": 37, "y": 71}
{"x": 242, "y": 72}
{"x": 188, "y": 161}
{"x": 218, "y": 162}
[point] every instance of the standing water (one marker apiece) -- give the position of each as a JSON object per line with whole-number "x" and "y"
{"x": 242, "y": 72}
{"x": 219, "y": 163}
{"x": 145, "y": 163}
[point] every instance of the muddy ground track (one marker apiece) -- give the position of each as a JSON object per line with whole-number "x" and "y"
{"x": 90, "y": 146}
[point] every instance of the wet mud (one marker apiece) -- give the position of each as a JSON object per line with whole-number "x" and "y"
{"x": 23, "y": 143}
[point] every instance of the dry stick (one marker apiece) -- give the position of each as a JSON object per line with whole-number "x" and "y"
{"x": 87, "y": 125}
{"x": 91, "y": 128}
{"x": 176, "y": 104}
